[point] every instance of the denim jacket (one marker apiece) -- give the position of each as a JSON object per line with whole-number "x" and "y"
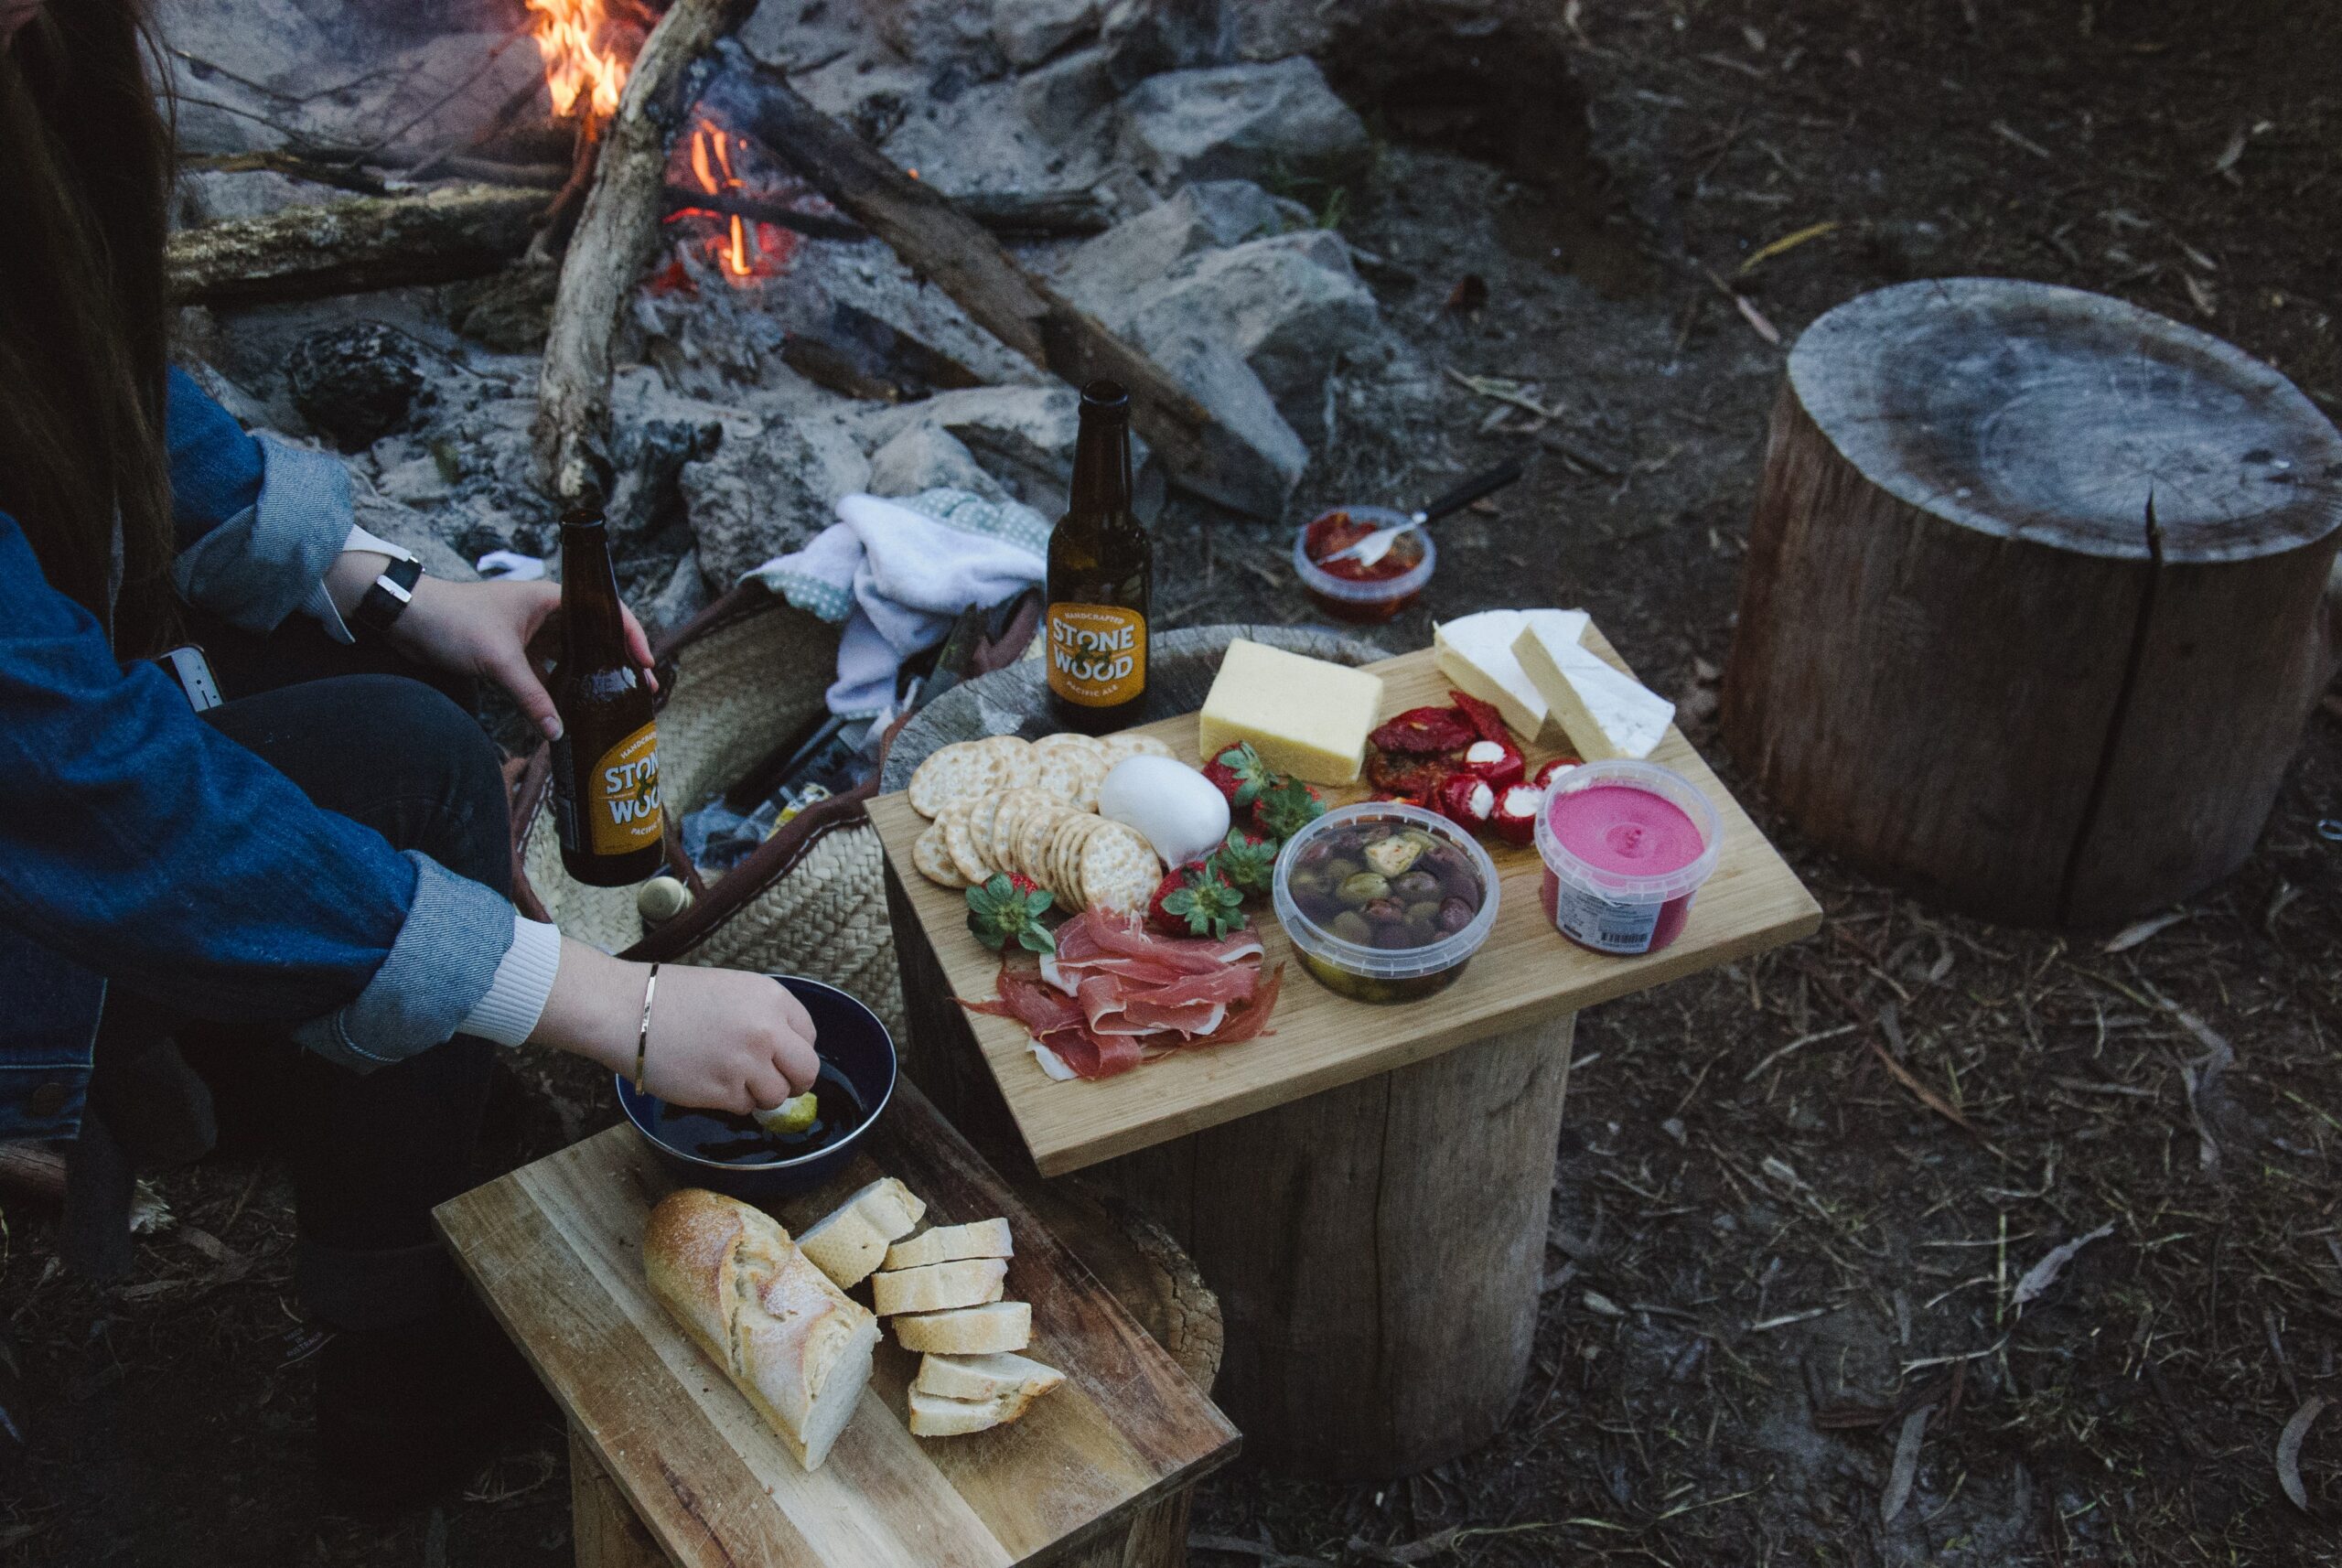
{"x": 140, "y": 847}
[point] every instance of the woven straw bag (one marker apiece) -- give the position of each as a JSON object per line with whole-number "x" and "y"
{"x": 736, "y": 682}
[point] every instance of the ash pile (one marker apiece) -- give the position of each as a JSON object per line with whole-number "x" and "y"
{"x": 1173, "y": 167}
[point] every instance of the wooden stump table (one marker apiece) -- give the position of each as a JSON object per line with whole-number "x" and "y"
{"x": 1366, "y": 1187}
{"x": 669, "y": 1463}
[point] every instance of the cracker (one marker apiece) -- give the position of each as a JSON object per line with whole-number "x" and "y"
{"x": 1068, "y": 741}
{"x": 1063, "y": 855}
{"x": 1013, "y": 805}
{"x": 1033, "y": 831}
{"x": 959, "y": 842}
{"x": 1093, "y": 777}
{"x": 1062, "y": 772}
{"x": 983, "y": 815}
{"x": 1012, "y": 755}
{"x": 934, "y": 861}
{"x": 1118, "y": 871}
{"x": 955, "y": 772}
{"x": 1119, "y": 748}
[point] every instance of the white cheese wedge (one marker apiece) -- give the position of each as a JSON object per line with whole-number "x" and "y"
{"x": 1475, "y": 652}
{"x": 1305, "y": 716}
{"x": 1606, "y": 713}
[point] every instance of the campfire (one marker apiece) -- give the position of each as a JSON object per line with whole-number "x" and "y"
{"x": 584, "y": 71}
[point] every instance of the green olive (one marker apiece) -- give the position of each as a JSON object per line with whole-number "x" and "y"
{"x": 1339, "y": 870}
{"x": 1424, "y": 913}
{"x": 1352, "y": 927}
{"x": 1365, "y": 887}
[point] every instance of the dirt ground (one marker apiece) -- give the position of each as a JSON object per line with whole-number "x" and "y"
{"x": 1795, "y": 1198}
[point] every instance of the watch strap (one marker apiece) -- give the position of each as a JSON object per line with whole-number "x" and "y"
{"x": 386, "y": 598}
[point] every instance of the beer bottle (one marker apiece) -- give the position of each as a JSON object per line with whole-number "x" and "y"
{"x": 606, "y": 764}
{"x": 1101, "y": 576}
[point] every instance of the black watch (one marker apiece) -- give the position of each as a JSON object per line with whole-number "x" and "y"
{"x": 387, "y": 599}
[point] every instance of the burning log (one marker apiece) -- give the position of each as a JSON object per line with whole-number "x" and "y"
{"x": 617, "y": 235}
{"x": 352, "y": 247}
{"x": 944, "y": 243}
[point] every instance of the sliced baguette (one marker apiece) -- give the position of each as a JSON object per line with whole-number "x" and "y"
{"x": 971, "y": 1282}
{"x": 935, "y": 1416}
{"x": 949, "y": 1243}
{"x": 849, "y": 1243}
{"x": 969, "y": 1331}
{"x": 985, "y": 1377}
{"x": 795, "y": 1345}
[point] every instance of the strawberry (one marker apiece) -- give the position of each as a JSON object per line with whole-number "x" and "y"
{"x": 1195, "y": 901}
{"x": 1009, "y": 908}
{"x": 1247, "y": 859}
{"x": 1515, "y": 819}
{"x": 1498, "y": 761}
{"x": 1554, "y": 769}
{"x": 1467, "y": 801}
{"x": 1239, "y": 773}
{"x": 1285, "y": 810}
{"x": 1484, "y": 720}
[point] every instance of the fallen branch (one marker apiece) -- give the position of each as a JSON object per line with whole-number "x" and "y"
{"x": 352, "y": 247}
{"x": 617, "y": 235}
{"x": 943, "y": 243}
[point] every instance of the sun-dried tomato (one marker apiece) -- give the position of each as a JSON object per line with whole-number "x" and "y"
{"x": 1421, "y": 731}
{"x": 1417, "y": 777}
{"x": 1482, "y": 716}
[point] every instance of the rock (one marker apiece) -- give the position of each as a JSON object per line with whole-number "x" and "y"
{"x": 1243, "y": 415}
{"x": 1140, "y": 250}
{"x": 358, "y": 382}
{"x": 1146, "y": 37}
{"x": 1062, "y": 101}
{"x": 684, "y": 595}
{"x": 1241, "y": 122}
{"x": 934, "y": 33}
{"x": 766, "y": 490}
{"x": 1044, "y": 130}
{"x": 508, "y": 311}
{"x": 1023, "y": 436}
{"x": 215, "y": 195}
{"x": 1030, "y": 31}
{"x": 404, "y": 526}
{"x": 928, "y": 457}
{"x": 1289, "y": 306}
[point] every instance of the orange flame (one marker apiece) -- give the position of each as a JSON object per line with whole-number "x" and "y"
{"x": 735, "y": 260}
{"x": 581, "y": 71}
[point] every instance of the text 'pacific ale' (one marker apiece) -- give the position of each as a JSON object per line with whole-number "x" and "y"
{"x": 1102, "y": 576}
{"x": 606, "y": 764}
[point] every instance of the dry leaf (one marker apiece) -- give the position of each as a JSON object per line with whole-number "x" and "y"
{"x": 1906, "y": 1465}
{"x": 2044, "y": 1274}
{"x": 2225, "y": 165}
{"x": 2289, "y": 1450}
{"x": 2130, "y": 936}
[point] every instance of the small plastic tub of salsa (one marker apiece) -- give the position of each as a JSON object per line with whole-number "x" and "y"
{"x": 1384, "y": 902}
{"x": 1625, "y": 846}
{"x": 1359, "y": 594}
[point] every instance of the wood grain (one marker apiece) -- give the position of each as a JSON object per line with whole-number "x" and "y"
{"x": 1961, "y": 660}
{"x": 554, "y": 1247}
{"x": 1526, "y": 975}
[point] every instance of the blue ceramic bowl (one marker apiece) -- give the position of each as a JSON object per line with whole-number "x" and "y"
{"x": 848, "y": 1036}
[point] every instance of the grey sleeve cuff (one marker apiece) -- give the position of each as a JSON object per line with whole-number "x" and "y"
{"x": 444, "y": 959}
{"x": 262, "y": 564}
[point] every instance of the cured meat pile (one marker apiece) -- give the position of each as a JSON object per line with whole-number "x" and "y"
{"x": 1113, "y": 995}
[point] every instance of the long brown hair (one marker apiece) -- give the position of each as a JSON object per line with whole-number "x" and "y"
{"x": 85, "y": 170}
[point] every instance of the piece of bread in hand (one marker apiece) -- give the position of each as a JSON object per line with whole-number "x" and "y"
{"x": 1013, "y": 1379}
{"x": 950, "y": 1243}
{"x": 938, "y": 1287}
{"x": 848, "y": 1244}
{"x": 791, "y": 1340}
{"x": 969, "y": 1331}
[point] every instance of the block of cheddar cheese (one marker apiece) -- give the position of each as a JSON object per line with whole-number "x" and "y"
{"x": 1305, "y": 716}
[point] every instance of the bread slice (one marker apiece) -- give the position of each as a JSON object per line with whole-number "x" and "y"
{"x": 969, "y": 1331}
{"x": 848, "y": 1244}
{"x": 940, "y": 1286}
{"x": 949, "y": 1243}
{"x": 792, "y": 1342}
{"x": 935, "y": 1416}
{"x": 985, "y": 1378}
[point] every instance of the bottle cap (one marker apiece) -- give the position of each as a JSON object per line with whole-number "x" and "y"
{"x": 1109, "y": 399}
{"x": 661, "y": 899}
{"x": 581, "y": 517}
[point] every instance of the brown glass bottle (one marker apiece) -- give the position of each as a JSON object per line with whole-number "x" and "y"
{"x": 606, "y": 764}
{"x": 1102, "y": 578}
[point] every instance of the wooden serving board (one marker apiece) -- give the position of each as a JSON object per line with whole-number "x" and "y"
{"x": 1526, "y": 973}
{"x": 555, "y": 1248}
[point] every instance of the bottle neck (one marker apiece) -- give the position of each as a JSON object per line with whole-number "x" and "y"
{"x": 1102, "y": 469}
{"x": 593, "y": 629}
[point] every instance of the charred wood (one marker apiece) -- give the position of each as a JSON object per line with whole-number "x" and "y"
{"x": 353, "y": 247}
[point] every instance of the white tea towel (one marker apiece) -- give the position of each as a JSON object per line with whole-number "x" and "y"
{"x": 899, "y": 572}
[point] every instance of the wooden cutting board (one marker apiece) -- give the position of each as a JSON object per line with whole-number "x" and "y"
{"x": 554, "y": 1247}
{"x": 1526, "y": 973}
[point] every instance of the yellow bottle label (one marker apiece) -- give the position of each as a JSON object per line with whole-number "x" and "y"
{"x": 1097, "y": 654}
{"x": 622, "y": 795}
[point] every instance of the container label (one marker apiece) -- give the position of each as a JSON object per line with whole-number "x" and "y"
{"x": 620, "y": 810}
{"x": 1097, "y": 654}
{"x": 1603, "y": 924}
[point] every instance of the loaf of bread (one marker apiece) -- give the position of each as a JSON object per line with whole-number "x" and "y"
{"x": 848, "y": 1244}
{"x": 789, "y": 1339}
{"x": 950, "y": 1243}
{"x": 939, "y": 1287}
{"x": 969, "y": 1331}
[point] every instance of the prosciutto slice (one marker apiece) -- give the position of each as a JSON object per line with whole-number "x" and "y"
{"x": 1113, "y": 995}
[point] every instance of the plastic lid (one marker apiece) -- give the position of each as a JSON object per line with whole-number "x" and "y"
{"x": 1651, "y": 777}
{"x": 1387, "y": 963}
{"x": 1366, "y": 591}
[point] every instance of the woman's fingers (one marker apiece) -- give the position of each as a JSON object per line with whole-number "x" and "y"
{"x": 638, "y": 644}
{"x": 512, "y": 670}
{"x": 767, "y": 1087}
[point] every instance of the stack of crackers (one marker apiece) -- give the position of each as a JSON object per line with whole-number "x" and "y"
{"x": 1003, "y": 804}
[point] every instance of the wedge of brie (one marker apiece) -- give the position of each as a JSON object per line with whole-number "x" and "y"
{"x": 1604, "y": 712}
{"x": 1475, "y": 652}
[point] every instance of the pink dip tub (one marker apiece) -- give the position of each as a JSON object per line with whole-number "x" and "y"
{"x": 1625, "y": 846}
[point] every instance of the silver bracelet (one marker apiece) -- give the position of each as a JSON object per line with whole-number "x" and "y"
{"x": 642, "y": 1036}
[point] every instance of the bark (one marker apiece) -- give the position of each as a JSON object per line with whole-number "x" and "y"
{"x": 352, "y": 247}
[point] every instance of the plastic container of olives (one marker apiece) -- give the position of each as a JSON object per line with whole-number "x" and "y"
{"x": 1385, "y": 902}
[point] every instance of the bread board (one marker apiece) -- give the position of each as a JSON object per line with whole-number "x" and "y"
{"x": 554, "y": 1250}
{"x": 1526, "y": 972}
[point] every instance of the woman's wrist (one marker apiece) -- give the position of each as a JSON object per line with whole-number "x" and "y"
{"x": 595, "y": 1010}
{"x": 350, "y": 576}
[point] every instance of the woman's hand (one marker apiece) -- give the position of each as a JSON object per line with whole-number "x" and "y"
{"x": 484, "y": 629}
{"x": 720, "y": 1039}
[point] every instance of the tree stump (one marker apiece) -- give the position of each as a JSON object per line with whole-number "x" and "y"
{"x": 2033, "y": 612}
